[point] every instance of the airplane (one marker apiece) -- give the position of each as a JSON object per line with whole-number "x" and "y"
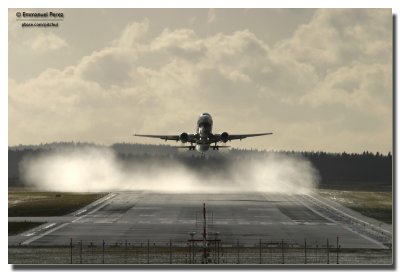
{"x": 203, "y": 139}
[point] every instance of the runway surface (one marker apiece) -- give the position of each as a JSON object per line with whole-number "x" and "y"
{"x": 247, "y": 217}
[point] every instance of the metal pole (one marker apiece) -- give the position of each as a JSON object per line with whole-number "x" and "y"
{"x": 155, "y": 249}
{"x": 204, "y": 234}
{"x": 126, "y": 251}
{"x": 170, "y": 251}
{"x": 260, "y": 253}
{"x": 80, "y": 253}
{"x": 192, "y": 251}
{"x": 103, "y": 250}
{"x": 238, "y": 252}
{"x": 327, "y": 251}
{"x": 305, "y": 251}
{"x": 218, "y": 253}
{"x": 222, "y": 251}
{"x": 148, "y": 251}
{"x": 70, "y": 244}
{"x": 316, "y": 253}
{"x": 215, "y": 249}
{"x": 92, "y": 249}
{"x": 337, "y": 249}
{"x": 283, "y": 254}
{"x": 189, "y": 253}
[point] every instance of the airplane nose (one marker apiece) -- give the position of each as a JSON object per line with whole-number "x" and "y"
{"x": 202, "y": 130}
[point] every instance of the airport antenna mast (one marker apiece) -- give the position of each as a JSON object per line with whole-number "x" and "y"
{"x": 205, "y": 253}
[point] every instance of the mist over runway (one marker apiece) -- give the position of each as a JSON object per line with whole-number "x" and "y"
{"x": 101, "y": 169}
{"x": 247, "y": 217}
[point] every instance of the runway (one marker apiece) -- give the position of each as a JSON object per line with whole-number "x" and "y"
{"x": 247, "y": 217}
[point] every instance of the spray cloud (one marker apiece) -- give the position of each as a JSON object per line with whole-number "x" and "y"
{"x": 91, "y": 169}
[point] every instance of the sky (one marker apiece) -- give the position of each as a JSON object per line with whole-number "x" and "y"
{"x": 319, "y": 79}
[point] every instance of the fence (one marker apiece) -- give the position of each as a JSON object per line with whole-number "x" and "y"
{"x": 194, "y": 252}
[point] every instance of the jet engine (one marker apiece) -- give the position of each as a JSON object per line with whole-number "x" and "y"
{"x": 224, "y": 137}
{"x": 184, "y": 137}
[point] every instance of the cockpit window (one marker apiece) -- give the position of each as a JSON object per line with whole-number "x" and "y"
{"x": 205, "y": 125}
{"x": 205, "y": 113}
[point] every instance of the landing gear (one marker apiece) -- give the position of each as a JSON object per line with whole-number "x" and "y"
{"x": 215, "y": 147}
{"x": 191, "y": 147}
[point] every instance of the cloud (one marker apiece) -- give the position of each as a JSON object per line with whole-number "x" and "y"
{"x": 321, "y": 88}
{"x": 341, "y": 37}
{"x": 211, "y": 16}
{"x": 111, "y": 65}
{"x": 45, "y": 42}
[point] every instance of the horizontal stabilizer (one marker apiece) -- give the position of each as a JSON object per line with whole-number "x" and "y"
{"x": 211, "y": 146}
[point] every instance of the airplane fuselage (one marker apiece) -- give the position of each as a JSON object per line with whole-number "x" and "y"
{"x": 204, "y": 130}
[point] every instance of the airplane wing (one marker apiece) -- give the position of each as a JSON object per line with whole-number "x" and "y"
{"x": 231, "y": 137}
{"x": 242, "y": 136}
{"x": 191, "y": 137}
{"x": 162, "y": 137}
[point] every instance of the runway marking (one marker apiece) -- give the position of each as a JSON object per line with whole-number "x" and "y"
{"x": 39, "y": 229}
{"x": 266, "y": 223}
{"x": 79, "y": 218}
{"x": 261, "y": 209}
{"x": 167, "y": 222}
{"x": 350, "y": 216}
{"x": 315, "y": 223}
{"x": 27, "y": 242}
{"x": 347, "y": 227}
{"x": 82, "y": 211}
{"x": 187, "y": 221}
{"x": 83, "y": 221}
{"x": 103, "y": 222}
{"x": 102, "y": 205}
{"x": 49, "y": 226}
{"x": 366, "y": 237}
{"x": 288, "y": 223}
{"x": 315, "y": 211}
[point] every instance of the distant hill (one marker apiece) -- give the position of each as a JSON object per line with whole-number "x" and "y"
{"x": 337, "y": 170}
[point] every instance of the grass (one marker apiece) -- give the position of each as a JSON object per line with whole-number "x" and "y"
{"x": 376, "y": 205}
{"x": 29, "y": 203}
{"x": 15, "y": 228}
